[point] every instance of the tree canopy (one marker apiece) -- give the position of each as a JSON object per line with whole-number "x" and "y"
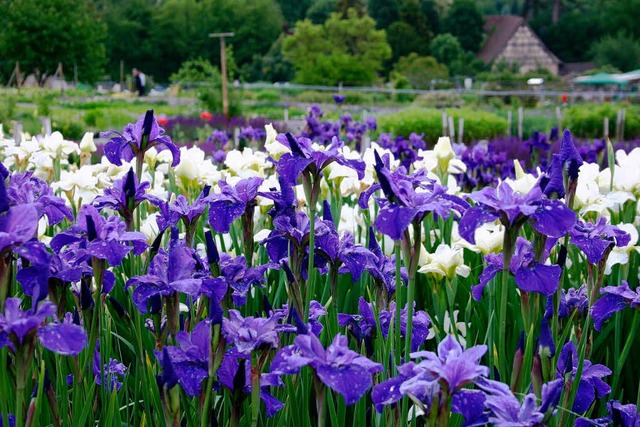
{"x": 43, "y": 34}
{"x": 348, "y": 50}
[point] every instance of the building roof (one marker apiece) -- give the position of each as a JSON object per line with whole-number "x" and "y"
{"x": 500, "y": 29}
{"x": 571, "y": 68}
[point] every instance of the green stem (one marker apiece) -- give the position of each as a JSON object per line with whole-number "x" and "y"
{"x": 625, "y": 352}
{"x": 255, "y": 391}
{"x": 504, "y": 295}
{"x": 396, "y": 324}
{"x": 321, "y": 393}
{"x": 413, "y": 267}
{"x": 310, "y": 266}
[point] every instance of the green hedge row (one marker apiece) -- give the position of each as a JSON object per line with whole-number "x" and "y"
{"x": 477, "y": 124}
{"x": 588, "y": 121}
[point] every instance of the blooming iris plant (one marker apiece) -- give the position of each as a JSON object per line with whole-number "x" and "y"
{"x": 193, "y": 323}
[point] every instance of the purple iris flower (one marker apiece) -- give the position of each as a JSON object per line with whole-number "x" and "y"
{"x": 241, "y": 278}
{"x": 340, "y": 252}
{"x": 570, "y": 156}
{"x": 552, "y": 183}
{"x": 363, "y": 326}
{"x": 383, "y": 270}
{"x": 250, "y": 333}
{"x": 538, "y": 141}
{"x": 26, "y": 189}
{"x": 436, "y": 377}
{"x": 18, "y": 224}
{"x": 615, "y": 298}
{"x": 124, "y": 196}
{"x": 168, "y": 273}
{"x": 235, "y": 373}
{"x": 571, "y": 300}
{"x": 111, "y": 374}
{"x": 339, "y": 368}
{"x": 453, "y": 366}
{"x": 619, "y": 415}
{"x": 232, "y": 202}
{"x": 190, "y": 359}
{"x": 409, "y": 198}
{"x": 595, "y": 240}
{"x": 102, "y": 238}
{"x": 551, "y": 218}
{"x": 303, "y": 157}
{"x": 506, "y": 410}
{"x": 315, "y": 311}
{"x": 530, "y": 276}
{"x": 339, "y": 99}
{"x": 19, "y": 328}
{"x": 591, "y": 384}
{"x": 136, "y": 139}
{"x": 420, "y": 328}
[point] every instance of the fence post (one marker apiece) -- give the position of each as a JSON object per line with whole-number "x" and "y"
{"x": 605, "y": 128}
{"x": 17, "y": 133}
{"x": 46, "y": 124}
{"x": 444, "y": 123}
{"x": 559, "y": 117}
{"x": 520, "y": 121}
{"x": 452, "y": 129}
{"x": 460, "y": 129}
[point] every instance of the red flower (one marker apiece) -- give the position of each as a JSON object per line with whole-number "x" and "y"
{"x": 205, "y": 115}
{"x": 162, "y": 121}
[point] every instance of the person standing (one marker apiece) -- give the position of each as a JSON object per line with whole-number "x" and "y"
{"x": 140, "y": 81}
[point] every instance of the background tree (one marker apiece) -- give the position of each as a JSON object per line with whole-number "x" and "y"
{"x": 349, "y": 50}
{"x": 294, "y": 10}
{"x": 384, "y": 12}
{"x": 621, "y": 51}
{"x": 422, "y": 72}
{"x": 343, "y": 6}
{"x": 42, "y": 34}
{"x": 320, "y": 11}
{"x": 128, "y": 25}
{"x": 465, "y": 22}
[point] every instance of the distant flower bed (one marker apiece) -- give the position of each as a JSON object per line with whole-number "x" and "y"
{"x": 337, "y": 276}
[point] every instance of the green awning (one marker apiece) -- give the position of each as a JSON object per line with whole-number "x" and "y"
{"x": 600, "y": 79}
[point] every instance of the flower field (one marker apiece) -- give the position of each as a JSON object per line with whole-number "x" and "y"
{"x": 336, "y": 276}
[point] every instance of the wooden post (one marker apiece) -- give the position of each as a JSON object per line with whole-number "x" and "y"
{"x": 46, "y": 124}
{"x": 223, "y": 71}
{"x": 18, "y": 76}
{"x": 623, "y": 116}
{"x": 286, "y": 116}
{"x": 366, "y": 143}
{"x": 444, "y": 123}
{"x": 236, "y": 138}
{"x": 520, "y": 122}
{"x": 605, "y": 128}
{"x": 509, "y": 117}
{"x": 121, "y": 75}
{"x": 17, "y": 133}
{"x": 460, "y": 129}
{"x": 618, "y": 120}
{"x": 452, "y": 128}
{"x": 559, "y": 117}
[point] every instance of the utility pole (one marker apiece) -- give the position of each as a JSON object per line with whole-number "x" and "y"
{"x": 223, "y": 70}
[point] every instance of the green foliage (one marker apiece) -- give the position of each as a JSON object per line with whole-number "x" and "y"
{"x": 421, "y": 71}
{"x": 588, "y": 120}
{"x": 294, "y": 10}
{"x": 477, "y": 124}
{"x": 445, "y": 48}
{"x": 43, "y": 34}
{"x": 342, "y": 7}
{"x": 621, "y": 51}
{"x": 465, "y": 22}
{"x": 384, "y": 12}
{"x": 196, "y": 70}
{"x": 350, "y": 51}
{"x": 273, "y": 66}
{"x": 320, "y": 11}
